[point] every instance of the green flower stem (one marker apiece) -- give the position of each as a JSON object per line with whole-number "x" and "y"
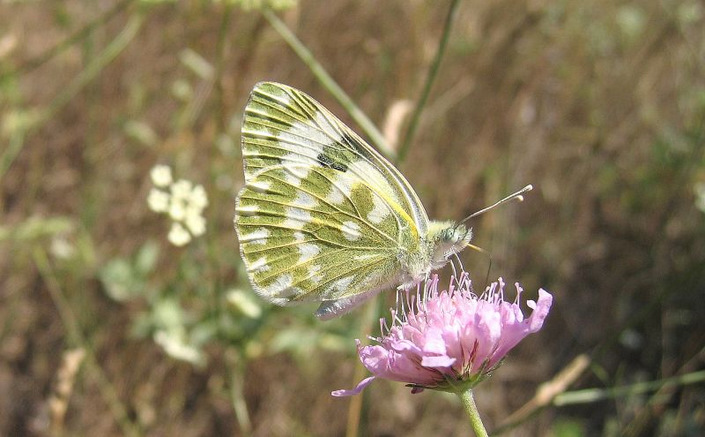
{"x": 468, "y": 400}
{"x": 76, "y": 339}
{"x": 330, "y": 84}
{"x": 430, "y": 78}
{"x": 236, "y": 362}
{"x": 90, "y": 72}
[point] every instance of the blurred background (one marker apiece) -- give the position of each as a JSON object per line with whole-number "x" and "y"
{"x": 107, "y": 327}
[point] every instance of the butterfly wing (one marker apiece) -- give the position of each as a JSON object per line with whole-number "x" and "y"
{"x": 322, "y": 216}
{"x": 315, "y": 238}
{"x": 283, "y": 125}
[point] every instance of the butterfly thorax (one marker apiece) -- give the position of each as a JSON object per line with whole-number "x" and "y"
{"x": 443, "y": 240}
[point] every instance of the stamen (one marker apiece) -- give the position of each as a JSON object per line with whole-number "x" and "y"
{"x": 383, "y": 326}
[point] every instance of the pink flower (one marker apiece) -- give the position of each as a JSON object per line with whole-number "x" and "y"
{"x": 450, "y": 340}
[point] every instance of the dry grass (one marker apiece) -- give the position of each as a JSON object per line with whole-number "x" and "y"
{"x": 599, "y": 104}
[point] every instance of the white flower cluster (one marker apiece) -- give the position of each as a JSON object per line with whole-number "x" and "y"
{"x": 182, "y": 201}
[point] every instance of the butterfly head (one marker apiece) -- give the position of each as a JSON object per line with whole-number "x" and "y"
{"x": 447, "y": 239}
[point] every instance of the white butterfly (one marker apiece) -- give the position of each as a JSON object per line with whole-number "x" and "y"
{"x": 323, "y": 216}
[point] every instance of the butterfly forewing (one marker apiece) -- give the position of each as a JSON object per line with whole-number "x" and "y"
{"x": 305, "y": 238}
{"x": 283, "y": 125}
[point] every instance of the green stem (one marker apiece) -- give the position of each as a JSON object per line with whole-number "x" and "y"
{"x": 86, "y": 76}
{"x": 430, "y": 78}
{"x": 95, "y": 67}
{"x": 76, "y": 339}
{"x": 468, "y": 401}
{"x": 591, "y": 395}
{"x": 32, "y": 64}
{"x": 237, "y": 391}
{"x": 329, "y": 83}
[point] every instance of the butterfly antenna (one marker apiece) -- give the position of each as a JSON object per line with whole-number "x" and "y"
{"x": 519, "y": 196}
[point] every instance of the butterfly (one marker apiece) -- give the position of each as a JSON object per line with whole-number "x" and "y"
{"x": 323, "y": 216}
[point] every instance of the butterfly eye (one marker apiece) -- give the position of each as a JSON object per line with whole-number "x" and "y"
{"x": 457, "y": 233}
{"x": 447, "y": 234}
{"x": 452, "y": 234}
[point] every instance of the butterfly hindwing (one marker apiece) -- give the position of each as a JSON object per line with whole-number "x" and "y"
{"x": 323, "y": 236}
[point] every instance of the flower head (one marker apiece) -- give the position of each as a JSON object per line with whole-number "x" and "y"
{"x": 161, "y": 175}
{"x": 178, "y": 235}
{"x": 182, "y": 201}
{"x": 450, "y": 340}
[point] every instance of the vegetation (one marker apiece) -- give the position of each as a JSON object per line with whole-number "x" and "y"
{"x": 107, "y": 328}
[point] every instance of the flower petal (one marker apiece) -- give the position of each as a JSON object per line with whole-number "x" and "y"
{"x": 442, "y": 361}
{"x": 541, "y": 308}
{"x": 364, "y": 383}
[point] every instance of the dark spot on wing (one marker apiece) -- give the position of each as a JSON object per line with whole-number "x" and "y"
{"x": 339, "y": 154}
{"x": 355, "y": 145}
{"x": 328, "y": 162}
